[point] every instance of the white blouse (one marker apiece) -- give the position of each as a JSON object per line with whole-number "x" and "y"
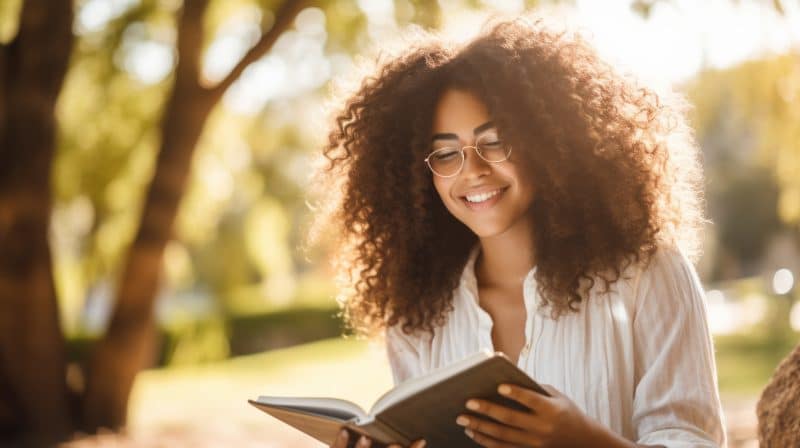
{"x": 639, "y": 360}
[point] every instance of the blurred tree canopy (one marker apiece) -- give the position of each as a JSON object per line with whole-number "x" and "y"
{"x": 748, "y": 123}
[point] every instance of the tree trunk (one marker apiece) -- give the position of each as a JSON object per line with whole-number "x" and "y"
{"x": 129, "y": 344}
{"x": 34, "y": 406}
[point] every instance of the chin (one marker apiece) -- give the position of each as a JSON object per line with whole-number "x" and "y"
{"x": 488, "y": 231}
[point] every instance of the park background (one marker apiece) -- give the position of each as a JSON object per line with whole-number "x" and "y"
{"x": 154, "y": 163}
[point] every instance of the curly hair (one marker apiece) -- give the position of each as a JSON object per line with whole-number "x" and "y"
{"x": 614, "y": 164}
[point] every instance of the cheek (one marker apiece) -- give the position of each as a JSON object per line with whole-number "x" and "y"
{"x": 523, "y": 179}
{"x": 442, "y": 187}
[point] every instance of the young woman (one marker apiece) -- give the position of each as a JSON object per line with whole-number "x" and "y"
{"x": 518, "y": 194}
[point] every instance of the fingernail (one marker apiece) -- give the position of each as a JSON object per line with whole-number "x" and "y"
{"x": 468, "y": 432}
{"x": 363, "y": 442}
{"x": 463, "y": 421}
{"x": 503, "y": 389}
{"x": 421, "y": 443}
{"x": 343, "y": 434}
{"x": 471, "y": 404}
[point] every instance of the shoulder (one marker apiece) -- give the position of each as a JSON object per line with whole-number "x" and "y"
{"x": 668, "y": 283}
{"x": 667, "y": 267}
{"x": 399, "y": 340}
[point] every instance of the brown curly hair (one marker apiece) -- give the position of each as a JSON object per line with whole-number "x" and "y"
{"x": 614, "y": 164}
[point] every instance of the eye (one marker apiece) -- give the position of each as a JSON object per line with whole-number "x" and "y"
{"x": 444, "y": 154}
{"x": 492, "y": 143}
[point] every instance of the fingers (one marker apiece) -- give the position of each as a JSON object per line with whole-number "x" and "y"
{"x": 505, "y": 415}
{"x": 364, "y": 442}
{"x": 341, "y": 440}
{"x": 528, "y": 398}
{"x": 495, "y": 430}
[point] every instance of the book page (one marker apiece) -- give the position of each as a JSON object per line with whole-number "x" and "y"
{"x": 338, "y": 409}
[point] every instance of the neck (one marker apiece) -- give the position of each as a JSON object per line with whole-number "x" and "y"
{"x": 505, "y": 259}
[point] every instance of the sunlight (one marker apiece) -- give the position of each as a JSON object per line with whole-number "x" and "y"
{"x": 145, "y": 53}
{"x": 93, "y": 15}
{"x": 727, "y": 316}
{"x": 296, "y": 64}
{"x": 720, "y": 315}
{"x": 235, "y": 36}
{"x": 782, "y": 281}
{"x": 678, "y": 39}
{"x": 794, "y": 316}
{"x": 671, "y": 45}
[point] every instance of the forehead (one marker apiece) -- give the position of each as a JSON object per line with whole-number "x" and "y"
{"x": 459, "y": 112}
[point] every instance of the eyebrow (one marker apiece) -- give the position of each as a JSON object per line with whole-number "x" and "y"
{"x": 475, "y": 131}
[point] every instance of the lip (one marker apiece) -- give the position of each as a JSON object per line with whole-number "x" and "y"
{"x": 486, "y": 204}
{"x": 481, "y": 190}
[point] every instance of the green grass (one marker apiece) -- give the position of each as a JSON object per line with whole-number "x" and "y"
{"x": 745, "y": 362}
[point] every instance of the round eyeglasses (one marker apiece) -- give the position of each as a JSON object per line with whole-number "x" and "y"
{"x": 448, "y": 161}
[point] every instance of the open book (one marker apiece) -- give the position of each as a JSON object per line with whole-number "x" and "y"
{"x": 423, "y": 407}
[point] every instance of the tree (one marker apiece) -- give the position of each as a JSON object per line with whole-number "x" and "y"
{"x": 35, "y": 400}
{"x": 33, "y": 391}
{"x": 128, "y": 345}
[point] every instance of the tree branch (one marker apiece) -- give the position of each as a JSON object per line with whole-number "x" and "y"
{"x": 190, "y": 39}
{"x": 283, "y": 19}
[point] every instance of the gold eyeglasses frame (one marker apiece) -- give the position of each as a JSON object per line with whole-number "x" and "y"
{"x": 464, "y": 157}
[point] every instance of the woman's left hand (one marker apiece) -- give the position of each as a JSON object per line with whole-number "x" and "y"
{"x": 553, "y": 421}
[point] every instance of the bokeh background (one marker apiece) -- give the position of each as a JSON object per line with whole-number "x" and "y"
{"x": 154, "y": 167}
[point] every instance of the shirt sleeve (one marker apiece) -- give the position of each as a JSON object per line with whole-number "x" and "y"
{"x": 403, "y": 355}
{"x": 676, "y": 400}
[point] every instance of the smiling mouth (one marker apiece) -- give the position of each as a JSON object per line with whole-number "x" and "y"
{"x": 483, "y": 200}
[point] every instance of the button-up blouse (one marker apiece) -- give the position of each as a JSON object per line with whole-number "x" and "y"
{"x": 638, "y": 359}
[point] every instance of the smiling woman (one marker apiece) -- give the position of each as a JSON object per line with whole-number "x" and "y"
{"x": 516, "y": 193}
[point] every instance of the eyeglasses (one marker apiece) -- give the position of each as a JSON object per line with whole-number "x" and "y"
{"x": 448, "y": 161}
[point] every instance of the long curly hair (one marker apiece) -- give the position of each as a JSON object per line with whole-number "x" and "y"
{"x": 614, "y": 164}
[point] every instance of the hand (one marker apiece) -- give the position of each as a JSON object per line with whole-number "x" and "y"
{"x": 365, "y": 442}
{"x": 553, "y": 421}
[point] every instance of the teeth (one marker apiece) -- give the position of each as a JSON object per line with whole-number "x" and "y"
{"x": 483, "y": 196}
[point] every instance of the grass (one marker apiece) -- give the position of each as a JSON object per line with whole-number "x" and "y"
{"x": 189, "y": 396}
{"x": 745, "y": 362}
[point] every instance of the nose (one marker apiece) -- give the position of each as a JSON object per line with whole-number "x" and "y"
{"x": 474, "y": 165}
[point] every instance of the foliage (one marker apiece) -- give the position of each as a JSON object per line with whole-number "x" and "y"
{"x": 751, "y": 114}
